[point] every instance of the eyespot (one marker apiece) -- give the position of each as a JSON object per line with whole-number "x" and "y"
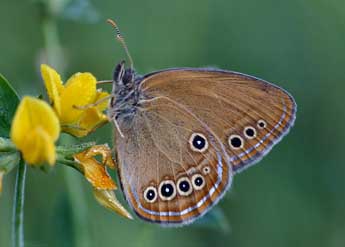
{"x": 249, "y": 132}
{"x": 184, "y": 186}
{"x": 235, "y": 142}
{"x": 198, "y": 142}
{"x": 262, "y": 124}
{"x": 198, "y": 181}
{"x": 150, "y": 194}
{"x": 206, "y": 170}
{"x": 167, "y": 190}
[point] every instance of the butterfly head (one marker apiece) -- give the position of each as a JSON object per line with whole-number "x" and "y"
{"x": 123, "y": 78}
{"x": 125, "y": 95}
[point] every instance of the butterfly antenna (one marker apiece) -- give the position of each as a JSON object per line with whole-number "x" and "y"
{"x": 120, "y": 38}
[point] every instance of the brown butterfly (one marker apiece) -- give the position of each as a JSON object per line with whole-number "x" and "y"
{"x": 183, "y": 133}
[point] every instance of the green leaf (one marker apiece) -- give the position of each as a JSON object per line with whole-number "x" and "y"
{"x": 9, "y": 157}
{"x": 8, "y": 160}
{"x": 9, "y": 101}
{"x": 6, "y": 145}
{"x": 67, "y": 151}
{"x": 214, "y": 219}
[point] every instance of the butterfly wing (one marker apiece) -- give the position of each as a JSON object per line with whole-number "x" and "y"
{"x": 192, "y": 130}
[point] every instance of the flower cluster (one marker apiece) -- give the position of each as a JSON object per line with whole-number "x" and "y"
{"x": 75, "y": 107}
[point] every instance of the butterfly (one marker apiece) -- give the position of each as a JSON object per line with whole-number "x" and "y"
{"x": 183, "y": 133}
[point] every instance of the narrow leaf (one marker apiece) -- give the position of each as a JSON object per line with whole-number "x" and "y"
{"x": 9, "y": 101}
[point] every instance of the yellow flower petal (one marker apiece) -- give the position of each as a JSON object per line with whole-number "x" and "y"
{"x": 35, "y": 128}
{"x": 74, "y": 130}
{"x": 80, "y": 90}
{"x": 99, "y": 96}
{"x": 39, "y": 148}
{"x": 53, "y": 85}
{"x": 92, "y": 118}
{"x": 32, "y": 113}
{"x": 108, "y": 199}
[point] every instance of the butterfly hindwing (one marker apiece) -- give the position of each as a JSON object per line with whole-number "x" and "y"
{"x": 156, "y": 153}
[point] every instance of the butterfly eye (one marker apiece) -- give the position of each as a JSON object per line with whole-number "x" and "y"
{"x": 235, "y": 142}
{"x": 167, "y": 190}
{"x": 198, "y": 142}
{"x": 198, "y": 181}
{"x": 150, "y": 194}
{"x": 249, "y": 132}
{"x": 262, "y": 124}
{"x": 184, "y": 187}
{"x": 206, "y": 170}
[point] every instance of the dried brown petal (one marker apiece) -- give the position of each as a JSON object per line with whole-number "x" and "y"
{"x": 108, "y": 199}
{"x": 95, "y": 172}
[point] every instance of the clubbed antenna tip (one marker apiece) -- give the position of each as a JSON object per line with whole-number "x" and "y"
{"x": 120, "y": 38}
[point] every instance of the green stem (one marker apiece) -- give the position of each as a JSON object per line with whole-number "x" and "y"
{"x": 51, "y": 41}
{"x": 18, "y": 207}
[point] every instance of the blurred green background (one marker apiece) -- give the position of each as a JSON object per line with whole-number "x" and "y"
{"x": 294, "y": 197}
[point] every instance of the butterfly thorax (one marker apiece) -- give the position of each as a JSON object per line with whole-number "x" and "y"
{"x": 126, "y": 94}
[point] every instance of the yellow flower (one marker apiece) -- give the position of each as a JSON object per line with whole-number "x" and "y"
{"x": 35, "y": 128}
{"x": 96, "y": 173}
{"x": 77, "y": 102}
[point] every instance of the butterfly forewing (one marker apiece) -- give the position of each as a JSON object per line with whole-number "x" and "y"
{"x": 232, "y": 105}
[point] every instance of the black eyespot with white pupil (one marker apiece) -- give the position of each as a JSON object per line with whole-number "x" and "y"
{"x": 184, "y": 186}
{"x": 262, "y": 124}
{"x": 206, "y": 170}
{"x": 198, "y": 181}
{"x": 198, "y": 142}
{"x": 150, "y": 194}
{"x": 235, "y": 142}
{"x": 167, "y": 190}
{"x": 249, "y": 132}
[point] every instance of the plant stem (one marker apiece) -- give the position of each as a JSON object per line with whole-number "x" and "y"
{"x": 18, "y": 207}
{"x": 53, "y": 49}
